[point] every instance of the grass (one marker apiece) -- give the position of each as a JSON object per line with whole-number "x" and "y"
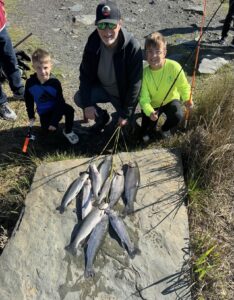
{"x": 208, "y": 152}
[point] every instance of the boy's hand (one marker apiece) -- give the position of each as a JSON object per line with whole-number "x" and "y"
{"x": 122, "y": 122}
{"x": 90, "y": 112}
{"x": 189, "y": 104}
{"x": 52, "y": 128}
{"x": 154, "y": 116}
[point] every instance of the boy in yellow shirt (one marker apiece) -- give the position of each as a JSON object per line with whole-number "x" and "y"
{"x": 158, "y": 79}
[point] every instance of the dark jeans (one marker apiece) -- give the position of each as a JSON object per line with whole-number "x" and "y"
{"x": 67, "y": 111}
{"x": 172, "y": 110}
{"x": 228, "y": 20}
{"x": 8, "y": 63}
{"x": 99, "y": 95}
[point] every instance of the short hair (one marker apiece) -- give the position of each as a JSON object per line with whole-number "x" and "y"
{"x": 40, "y": 55}
{"x": 155, "y": 40}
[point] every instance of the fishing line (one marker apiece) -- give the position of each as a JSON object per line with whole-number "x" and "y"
{"x": 125, "y": 144}
{"x": 109, "y": 141}
{"x": 116, "y": 141}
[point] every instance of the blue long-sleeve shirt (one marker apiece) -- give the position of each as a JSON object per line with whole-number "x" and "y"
{"x": 47, "y": 96}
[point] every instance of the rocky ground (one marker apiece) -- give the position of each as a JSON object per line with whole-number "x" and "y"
{"x": 63, "y": 26}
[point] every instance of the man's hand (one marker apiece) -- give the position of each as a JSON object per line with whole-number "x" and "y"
{"x": 90, "y": 112}
{"x": 154, "y": 116}
{"x": 122, "y": 122}
{"x": 52, "y": 128}
{"x": 189, "y": 104}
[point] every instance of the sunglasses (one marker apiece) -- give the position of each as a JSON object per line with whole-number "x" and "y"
{"x": 103, "y": 26}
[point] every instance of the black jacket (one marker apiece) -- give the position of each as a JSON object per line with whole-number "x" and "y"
{"x": 128, "y": 64}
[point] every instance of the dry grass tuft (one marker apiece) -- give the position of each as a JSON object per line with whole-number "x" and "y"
{"x": 208, "y": 152}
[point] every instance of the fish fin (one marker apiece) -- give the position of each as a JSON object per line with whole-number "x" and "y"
{"x": 89, "y": 272}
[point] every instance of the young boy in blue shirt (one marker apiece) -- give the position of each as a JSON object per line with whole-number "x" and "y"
{"x": 43, "y": 89}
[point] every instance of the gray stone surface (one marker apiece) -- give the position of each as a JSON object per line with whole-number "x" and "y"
{"x": 84, "y": 19}
{"x": 195, "y": 8}
{"x": 35, "y": 265}
{"x": 211, "y": 66}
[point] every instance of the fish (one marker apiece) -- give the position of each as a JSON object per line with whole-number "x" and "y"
{"x": 72, "y": 191}
{"x": 96, "y": 180}
{"x": 94, "y": 243}
{"x": 119, "y": 227}
{"x": 86, "y": 227}
{"x": 105, "y": 190}
{"x": 105, "y": 167}
{"x": 131, "y": 184}
{"x": 86, "y": 199}
{"x": 117, "y": 188}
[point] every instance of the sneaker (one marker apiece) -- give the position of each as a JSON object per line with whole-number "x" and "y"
{"x": 146, "y": 138}
{"x": 19, "y": 94}
{"x": 222, "y": 41}
{"x": 165, "y": 134}
{"x": 101, "y": 122}
{"x": 7, "y": 113}
{"x": 72, "y": 137}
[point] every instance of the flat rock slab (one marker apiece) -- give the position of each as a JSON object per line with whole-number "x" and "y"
{"x": 211, "y": 66}
{"x": 35, "y": 265}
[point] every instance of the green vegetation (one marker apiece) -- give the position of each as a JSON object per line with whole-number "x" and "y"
{"x": 208, "y": 160}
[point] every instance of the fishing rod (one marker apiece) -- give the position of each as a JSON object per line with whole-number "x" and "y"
{"x": 187, "y": 110}
{"x": 23, "y": 39}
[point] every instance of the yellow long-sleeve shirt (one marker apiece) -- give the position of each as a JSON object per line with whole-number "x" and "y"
{"x": 156, "y": 84}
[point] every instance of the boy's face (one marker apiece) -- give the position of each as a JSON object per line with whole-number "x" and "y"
{"x": 43, "y": 69}
{"x": 156, "y": 56}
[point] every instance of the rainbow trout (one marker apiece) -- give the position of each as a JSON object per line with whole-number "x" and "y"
{"x": 131, "y": 184}
{"x": 94, "y": 243}
{"x": 86, "y": 227}
{"x": 119, "y": 227}
{"x": 72, "y": 191}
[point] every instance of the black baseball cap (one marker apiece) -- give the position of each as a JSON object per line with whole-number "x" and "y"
{"x": 107, "y": 12}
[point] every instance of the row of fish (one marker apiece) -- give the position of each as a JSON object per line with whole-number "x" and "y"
{"x": 103, "y": 184}
{"x": 99, "y": 189}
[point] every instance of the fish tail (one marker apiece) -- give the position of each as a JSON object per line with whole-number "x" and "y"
{"x": 134, "y": 252}
{"x": 128, "y": 210}
{"x": 89, "y": 272}
{"x": 61, "y": 209}
{"x": 71, "y": 249}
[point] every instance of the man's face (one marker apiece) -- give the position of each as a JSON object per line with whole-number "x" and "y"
{"x": 43, "y": 69}
{"x": 156, "y": 56}
{"x": 108, "y": 33}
